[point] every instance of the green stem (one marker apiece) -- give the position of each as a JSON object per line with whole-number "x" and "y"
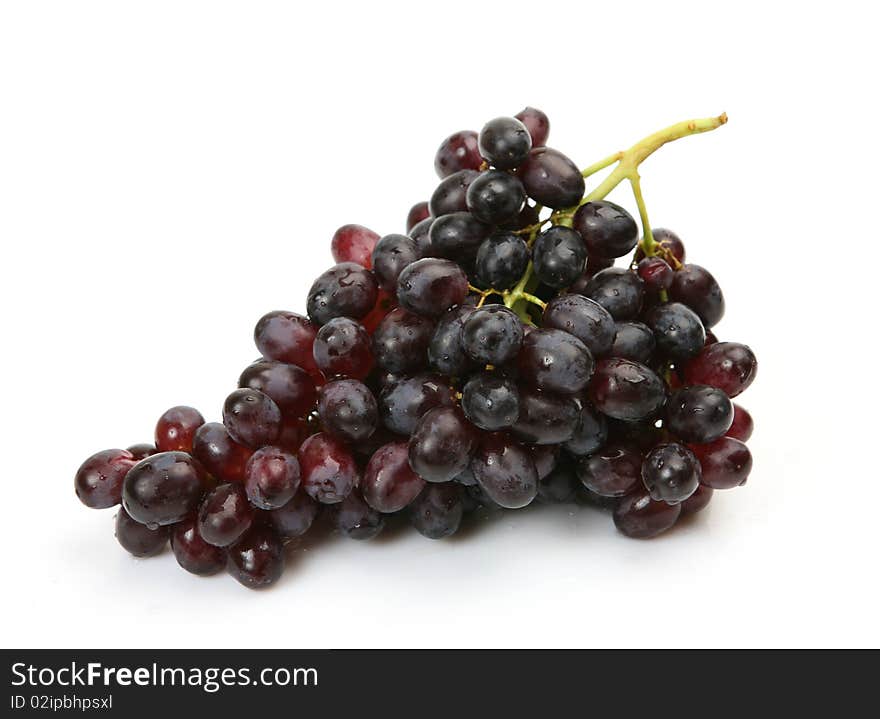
{"x": 601, "y": 165}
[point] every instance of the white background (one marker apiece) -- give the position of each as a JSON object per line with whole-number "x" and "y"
{"x": 169, "y": 171}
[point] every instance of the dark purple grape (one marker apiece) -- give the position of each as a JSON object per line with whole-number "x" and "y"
{"x": 192, "y": 552}
{"x": 400, "y": 342}
{"x": 420, "y": 234}
{"x": 457, "y": 152}
{"x": 585, "y": 319}
{"x": 286, "y": 337}
{"x": 698, "y": 414}
{"x": 163, "y": 489}
{"x": 98, "y": 481}
{"x": 594, "y": 266}
{"x": 698, "y": 501}
{"x": 560, "y": 485}
{"x": 251, "y": 418}
{"x": 495, "y": 197}
{"x": 138, "y": 539}
{"x": 329, "y": 472}
{"x": 441, "y": 445}
{"x": 725, "y": 463}
{"x": 591, "y": 433}
{"x": 389, "y": 483}
{"x": 545, "y": 458}
{"x": 348, "y": 410}
{"x": 607, "y": 229}
{"x": 356, "y": 519}
{"x": 402, "y": 404}
{"x": 505, "y": 471}
{"x": 272, "y": 477}
{"x": 640, "y": 517}
{"x": 295, "y": 518}
{"x": 504, "y": 142}
{"x": 545, "y": 418}
{"x": 555, "y": 361}
{"x": 633, "y": 341}
{"x": 695, "y": 287}
{"x": 290, "y": 387}
{"x": 551, "y": 179}
{"x": 451, "y": 194}
{"x": 142, "y": 451}
{"x": 457, "y": 236}
{"x": 437, "y": 512}
{"x": 677, "y": 330}
{"x": 342, "y": 349}
{"x": 501, "y": 261}
{"x": 353, "y": 243}
{"x": 537, "y": 123}
{"x": 345, "y": 290}
{"x": 671, "y": 246}
{"x": 431, "y": 286}
{"x": 445, "y": 353}
{"x": 626, "y": 390}
{"x": 257, "y": 560}
{"x": 618, "y": 290}
{"x": 671, "y": 473}
{"x": 613, "y": 471}
{"x": 526, "y": 217}
{"x": 559, "y": 256}
{"x": 743, "y": 425}
{"x": 418, "y": 212}
{"x": 222, "y": 456}
{"x": 655, "y": 273}
{"x": 492, "y": 335}
{"x": 176, "y": 428}
{"x": 490, "y": 401}
{"x": 392, "y": 255}
{"x": 225, "y": 514}
{"x": 730, "y": 366}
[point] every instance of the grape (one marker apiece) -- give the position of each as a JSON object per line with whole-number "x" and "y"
{"x": 559, "y": 256}
{"x": 389, "y": 483}
{"x": 560, "y": 485}
{"x": 328, "y": 470}
{"x": 711, "y": 339}
{"x": 286, "y": 337}
{"x": 725, "y": 463}
{"x": 437, "y": 511}
{"x": 551, "y": 179}
{"x": 295, "y": 518}
{"x": 451, "y": 194}
{"x": 420, "y": 234}
{"x": 671, "y": 473}
{"x": 257, "y": 560}
{"x": 698, "y": 414}
{"x": 348, "y": 410}
{"x": 457, "y": 152}
{"x": 346, "y": 290}
{"x": 356, "y": 519}
{"x": 272, "y": 477}
{"x": 431, "y": 286}
{"x": 163, "y": 489}
{"x": 354, "y": 243}
{"x": 501, "y": 261}
{"x": 670, "y": 243}
{"x": 591, "y": 433}
{"x": 418, "y": 212}
{"x": 537, "y": 123}
{"x": 545, "y": 457}
{"x": 730, "y": 366}
{"x": 640, "y": 517}
{"x": 402, "y": 405}
{"x": 585, "y": 319}
{"x": 225, "y": 514}
{"x": 490, "y": 401}
{"x": 743, "y": 425}
{"x": 441, "y": 444}
{"x": 192, "y": 552}
{"x": 698, "y": 501}
{"x": 400, "y": 342}
{"x": 504, "y": 142}
{"x": 385, "y": 302}
{"x": 288, "y": 386}
{"x": 695, "y": 287}
{"x": 505, "y": 471}
{"x": 176, "y": 428}
{"x": 492, "y": 335}
{"x": 613, "y": 471}
{"x": 98, "y": 481}
{"x": 251, "y": 418}
{"x": 677, "y": 330}
{"x": 138, "y": 539}
{"x": 140, "y": 451}
{"x": 626, "y": 390}
{"x": 222, "y": 456}
{"x": 343, "y": 349}
{"x": 445, "y": 353}
{"x": 656, "y": 274}
{"x": 526, "y": 217}
{"x": 555, "y": 361}
{"x": 594, "y": 266}
{"x": 457, "y": 236}
{"x": 633, "y": 341}
{"x": 607, "y": 229}
{"x": 495, "y": 197}
{"x": 545, "y": 418}
{"x": 391, "y": 256}
{"x": 619, "y": 291}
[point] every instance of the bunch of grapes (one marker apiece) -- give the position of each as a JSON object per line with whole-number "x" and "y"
{"x": 491, "y": 357}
